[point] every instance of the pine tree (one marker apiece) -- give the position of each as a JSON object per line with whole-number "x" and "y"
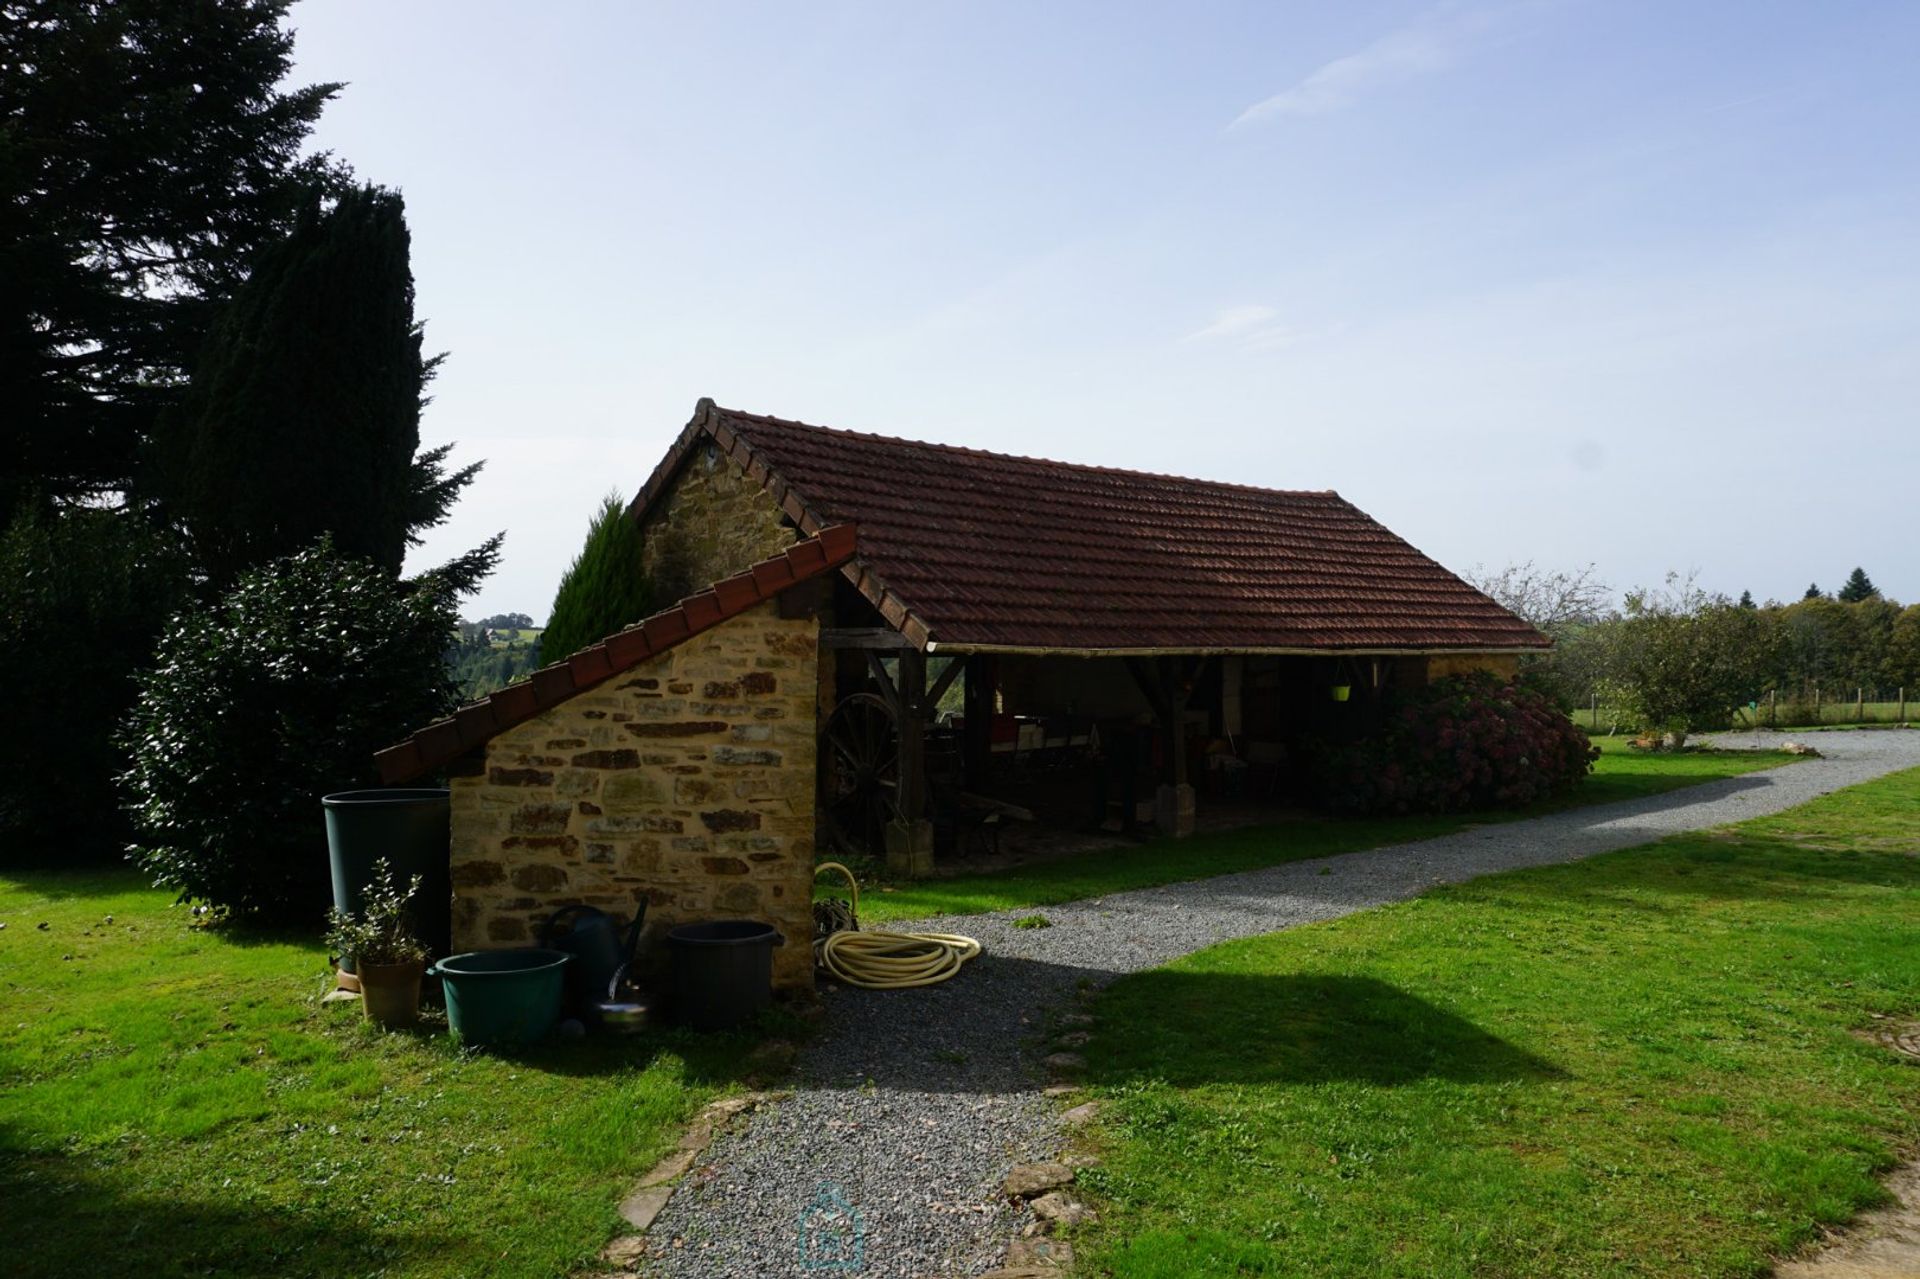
{"x": 1746, "y": 600}
{"x": 1814, "y": 592}
{"x": 303, "y": 417}
{"x": 1859, "y": 587}
{"x": 603, "y": 590}
{"x": 146, "y": 155}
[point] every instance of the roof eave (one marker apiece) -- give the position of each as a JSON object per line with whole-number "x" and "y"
{"x": 1425, "y": 650}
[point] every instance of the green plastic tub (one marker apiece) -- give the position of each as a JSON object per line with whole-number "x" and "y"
{"x": 501, "y": 998}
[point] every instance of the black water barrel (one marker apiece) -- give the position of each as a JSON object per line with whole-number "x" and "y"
{"x": 722, "y": 971}
{"x": 411, "y": 828}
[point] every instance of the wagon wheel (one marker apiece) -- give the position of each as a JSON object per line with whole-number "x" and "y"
{"x": 860, "y": 773}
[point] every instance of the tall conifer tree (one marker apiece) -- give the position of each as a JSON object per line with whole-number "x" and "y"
{"x": 603, "y": 590}
{"x": 1859, "y": 587}
{"x": 303, "y": 417}
{"x": 147, "y": 152}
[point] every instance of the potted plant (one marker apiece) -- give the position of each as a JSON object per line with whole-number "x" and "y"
{"x": 388, "y": 956}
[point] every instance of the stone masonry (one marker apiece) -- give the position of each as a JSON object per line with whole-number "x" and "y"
{"x": 1502, "y": 665}
{"x": 711, "y": 522}
{"x": 686, "y": 781}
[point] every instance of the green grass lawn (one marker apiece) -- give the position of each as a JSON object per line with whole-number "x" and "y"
{"x": 1641, "y": 1064}
{"x": 1621, "y": 773}
{"x": 176, "y": 1101}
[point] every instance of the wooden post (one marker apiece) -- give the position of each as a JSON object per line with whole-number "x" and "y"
{"x": 913, "y": 734}
{"x": 910, "y": 838}
{"x": 977, "y": 748}
{"x": 1593, "y": 713}
{"x": 1859, "y": 705}
{"x": 1903, "y": 703}
{"x": 1773, "y": 708}
{"x": 1176, "y": 731}
{"x": 1819, "y": 716}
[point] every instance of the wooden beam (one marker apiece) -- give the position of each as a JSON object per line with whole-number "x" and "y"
{"x": 1146, "y": 677}
{"x": 938, "y": 689}
{"x": 881, "y": 638}
{"x": 880, "y": 676}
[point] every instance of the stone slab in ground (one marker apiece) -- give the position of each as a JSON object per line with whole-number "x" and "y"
{"x": 642, "y": 1206}
{"x": 1027, "y": 1180}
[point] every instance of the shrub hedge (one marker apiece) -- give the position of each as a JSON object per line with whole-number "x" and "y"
{"x": 1464, "y": 742}
{"x": 258, "y": 706}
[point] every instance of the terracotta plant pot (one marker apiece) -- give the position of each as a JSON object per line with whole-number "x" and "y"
{"x": 390, "y": 993}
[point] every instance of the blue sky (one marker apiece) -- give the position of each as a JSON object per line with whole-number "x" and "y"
{"x": 1631, "y": 283}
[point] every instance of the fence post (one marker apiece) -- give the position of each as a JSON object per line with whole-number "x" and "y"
{"x": 1593, "y": 715}
{"x": 1859, "y": 705}
{"x": 1819, "y": 715}
{"x": 1773, "y": 709}
{"x": 1903, "y": 703}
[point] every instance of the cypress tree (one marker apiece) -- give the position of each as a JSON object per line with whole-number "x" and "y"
{"x": 1746, "y": 600}
{"x": 147, "y": 153}
{"x": 303, "y": 417}
{"x": 603, "y": 590}
{"x": 1859, "y": 587}
{"x": 1813, "y": 592}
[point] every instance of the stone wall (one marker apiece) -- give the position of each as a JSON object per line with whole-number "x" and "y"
{"x": 686, "y": 781}
{"x": 1504, "y": 665}
{"x": 711, "y": 522}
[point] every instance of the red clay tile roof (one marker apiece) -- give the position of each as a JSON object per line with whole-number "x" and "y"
{"x": 965, "y": 550}
{"x": 445, "y": 740}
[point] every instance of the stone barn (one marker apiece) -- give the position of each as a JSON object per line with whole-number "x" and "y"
{"x": 896, "y": 649}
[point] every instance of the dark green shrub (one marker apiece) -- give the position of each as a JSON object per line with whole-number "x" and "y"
{"x": 83, "y": 593}
{"x": 1465, "y": 742}
{"x": 603, "y": 590}
{"x": 258, "y": 706}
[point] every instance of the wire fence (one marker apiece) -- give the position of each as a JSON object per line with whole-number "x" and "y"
{"x": 1809, "y": 708}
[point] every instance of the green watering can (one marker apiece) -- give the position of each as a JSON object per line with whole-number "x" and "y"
{"x": 599, "y": 952}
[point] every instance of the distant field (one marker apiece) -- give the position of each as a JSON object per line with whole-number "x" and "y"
{"x": 1790, "y": 715}
{"x": 509, "y": 637}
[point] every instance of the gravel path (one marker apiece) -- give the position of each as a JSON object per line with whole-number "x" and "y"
{"x": 913, "y": 1105}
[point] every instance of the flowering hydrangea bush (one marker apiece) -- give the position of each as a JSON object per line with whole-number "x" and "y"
{"x": 1464, "y": 742}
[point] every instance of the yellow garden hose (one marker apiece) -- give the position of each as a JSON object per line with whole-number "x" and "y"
{"x": 882, "y": 960}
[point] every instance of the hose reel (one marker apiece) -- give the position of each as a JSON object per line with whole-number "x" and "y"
{"x": 880, "y": 960}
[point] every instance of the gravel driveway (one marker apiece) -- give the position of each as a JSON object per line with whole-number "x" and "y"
{"x": 913, "y": 1105}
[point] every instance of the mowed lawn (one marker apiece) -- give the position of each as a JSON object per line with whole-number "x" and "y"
{"x": 1648, "y": 1063}
{"x": 177, "y": 1101}
{"x": 1620, "y": 773}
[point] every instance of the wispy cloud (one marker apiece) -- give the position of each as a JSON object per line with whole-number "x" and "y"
{"x": 1235, "y": 321}
{"x": 1249, "y": 328}
{"x": 1420, "y": 48}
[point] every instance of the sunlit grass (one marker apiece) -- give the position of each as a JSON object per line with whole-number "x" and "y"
{"x": 177, "y": 1101}
{"x": 1641, "y": 1064}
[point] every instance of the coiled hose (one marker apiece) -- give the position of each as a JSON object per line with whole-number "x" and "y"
{"x": 881, "y": 960}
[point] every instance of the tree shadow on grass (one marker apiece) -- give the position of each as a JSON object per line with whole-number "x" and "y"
{"x": 67, "y": 1216}
{"x": 1708, "y": 865}
{"x": 1189, "y": 1029}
